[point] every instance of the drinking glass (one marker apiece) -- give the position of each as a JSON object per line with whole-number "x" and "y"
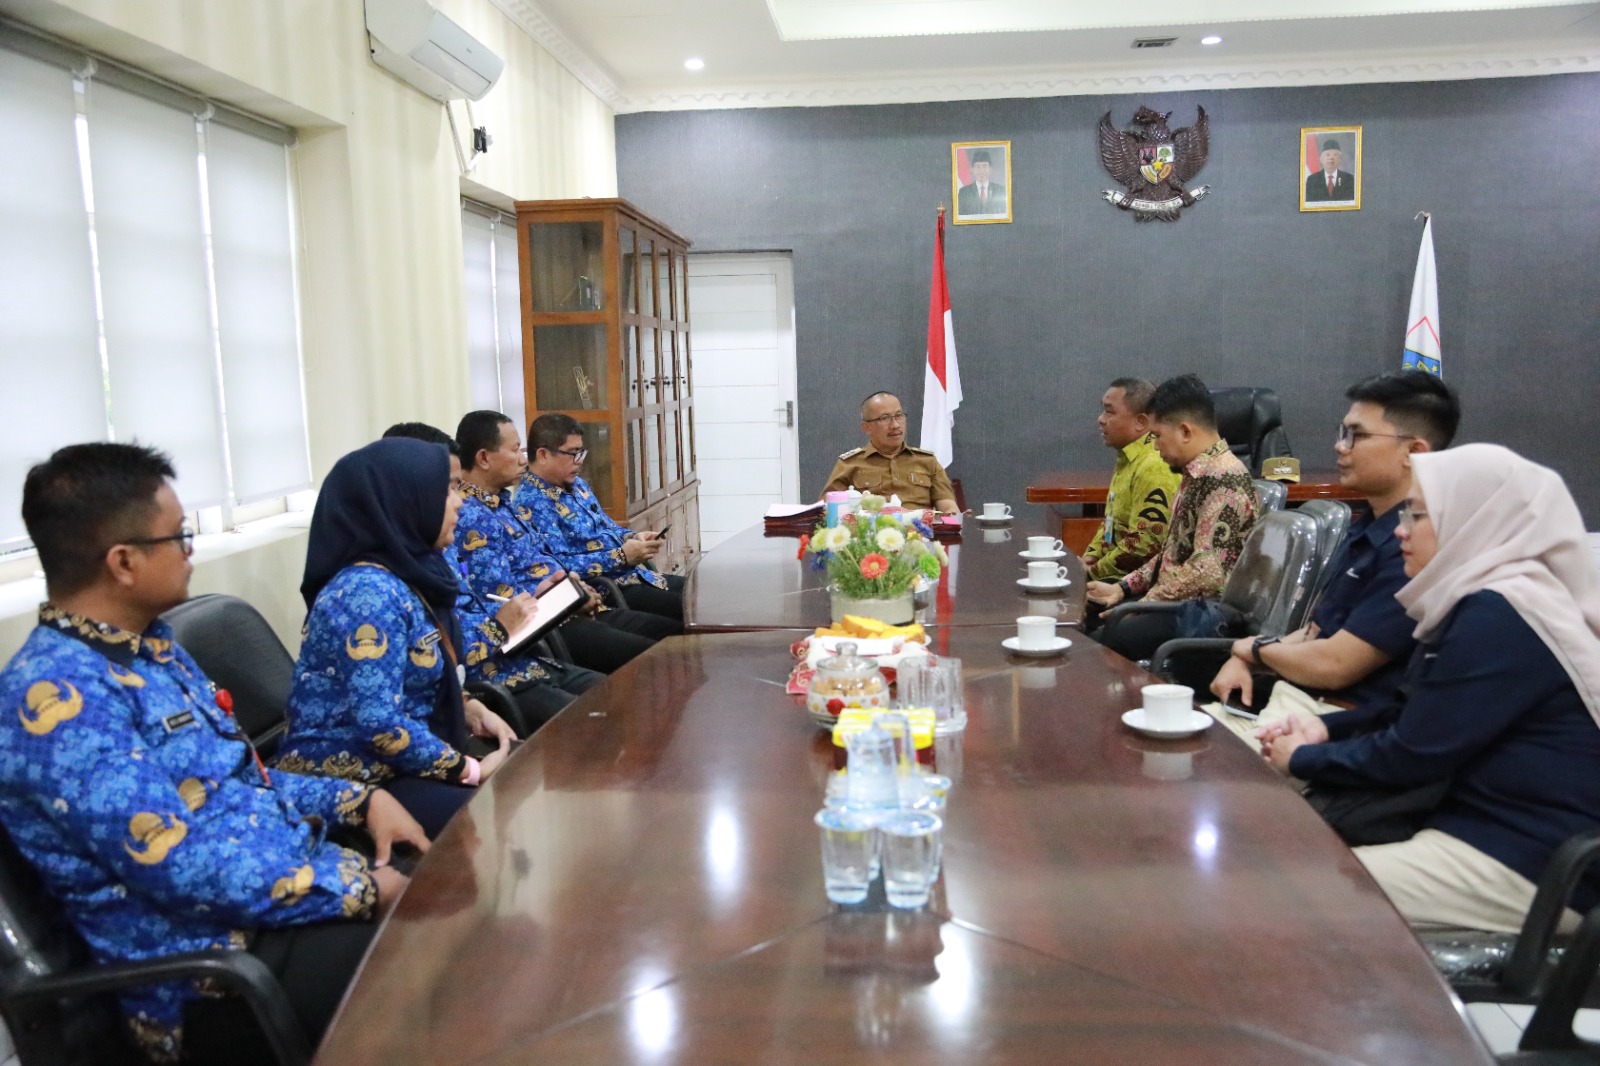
{"x": 911, "y": 848}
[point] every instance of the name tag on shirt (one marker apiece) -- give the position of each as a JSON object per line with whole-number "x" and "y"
{"x": 175, "y": 722}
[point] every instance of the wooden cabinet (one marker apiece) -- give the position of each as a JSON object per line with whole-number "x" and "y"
{"x": 605, "y": 339}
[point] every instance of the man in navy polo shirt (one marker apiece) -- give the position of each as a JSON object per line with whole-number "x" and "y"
{"x": 1359, "y": 638}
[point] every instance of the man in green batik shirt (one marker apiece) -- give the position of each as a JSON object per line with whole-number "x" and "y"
{"x": 1139, "y": 504}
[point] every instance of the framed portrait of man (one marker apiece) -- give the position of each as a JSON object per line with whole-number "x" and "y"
{"x": 980, "y": 181}
{"x": 1330, "y": 168}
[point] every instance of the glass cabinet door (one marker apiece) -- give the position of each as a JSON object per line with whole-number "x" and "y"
{"x": 570, "y": 367}
{"x": 664, "y": 286}
{"x": 634, "y": 433}
{"x": 596, "y": 468}
{"x": 569, "y": 265}
{"x": 670, "y": 449}
{"x": 652, "y": 453}
{"x": 649, "y": 367}
{"x": 630, "y": 366}
{"x": 647, "y": 276}
{"x": 629, "y": 260}
{"x": 680, "y": 268}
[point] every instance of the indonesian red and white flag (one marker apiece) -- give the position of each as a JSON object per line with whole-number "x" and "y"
{"x": 941, "y": 389}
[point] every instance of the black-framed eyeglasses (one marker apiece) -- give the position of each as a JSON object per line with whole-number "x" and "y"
{"x": 1409, "y": 516}
{"x": 884, "y": 420}
{"x": 184, "y": 540}
{"x": 577, "y": 455}
{"x": 1349, "y": 436}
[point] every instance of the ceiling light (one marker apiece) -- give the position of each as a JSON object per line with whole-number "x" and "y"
{"x": 1213, "y": 39}
{"x": 694, "y": 64}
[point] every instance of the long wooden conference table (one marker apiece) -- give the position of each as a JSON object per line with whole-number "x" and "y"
{"x": 641, "y": 883}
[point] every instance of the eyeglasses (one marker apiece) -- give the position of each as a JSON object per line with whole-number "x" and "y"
{"x": 1349, "y": 436}
{"x": 184, "y": 539}
{"x": 884, "y": 420}
{"x": 577, "y": 455}
{"x": 1409, "y": 516}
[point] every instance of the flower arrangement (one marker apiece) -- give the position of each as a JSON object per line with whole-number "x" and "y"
{"x": 871, "y": 555}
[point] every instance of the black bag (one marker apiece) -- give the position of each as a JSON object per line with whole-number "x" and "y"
{"x": 1210, "y": 618}
{"x": 1365, "y": 815}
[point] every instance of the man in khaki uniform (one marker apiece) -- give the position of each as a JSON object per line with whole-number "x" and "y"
{"x": 887, "y": 465}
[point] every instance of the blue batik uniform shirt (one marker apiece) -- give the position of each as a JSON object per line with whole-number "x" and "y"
{"x": 147, "y": 815}
{"x": 577, "y": 530}
{"x": 371, "y": 662}
{"x": 500, "y": 553}
{"x": 482, "y": 634}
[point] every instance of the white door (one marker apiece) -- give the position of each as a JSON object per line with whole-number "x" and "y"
{"x": 741, "y": 320}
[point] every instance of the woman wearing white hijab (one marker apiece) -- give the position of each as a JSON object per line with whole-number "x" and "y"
{"x": 1502, "y": 698}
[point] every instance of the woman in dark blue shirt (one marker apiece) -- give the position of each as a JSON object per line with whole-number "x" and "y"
{"x": 1502, "y": 698}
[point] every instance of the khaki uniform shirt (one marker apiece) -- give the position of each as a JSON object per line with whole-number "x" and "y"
{"x": 912, "y": 473}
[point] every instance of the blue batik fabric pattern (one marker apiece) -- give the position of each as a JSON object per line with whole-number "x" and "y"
{"x": 371, "y": 662}
{"x": 578, "y": 532}
{"x": 482, "y": 634}
{"x": 502, "y": 554}
{"x": 148, "y": 816}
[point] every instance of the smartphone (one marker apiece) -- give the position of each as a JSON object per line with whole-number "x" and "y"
{"x": 662, "y": 535}
{"x": 1242, "y": 712}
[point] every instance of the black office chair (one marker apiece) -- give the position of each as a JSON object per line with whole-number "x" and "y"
{"x": 1269, "y": 589}
{"x": 239, "y": 651}
{"x": 1333, "y": 521}
{"x": 1521, "y": 967}
{"x": 58, "y": 1003}
{"x": 1271, "y": 495}
{"x": 1549, "y": 1039}
{"x": 1251, "y": 421}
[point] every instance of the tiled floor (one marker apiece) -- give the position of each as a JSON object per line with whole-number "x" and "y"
{"x": 1501, "y": 1024}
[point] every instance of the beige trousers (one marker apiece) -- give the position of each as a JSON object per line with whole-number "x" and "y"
{"x": 1436, "y": 880}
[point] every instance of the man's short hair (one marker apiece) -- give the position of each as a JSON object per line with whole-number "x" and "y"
{"x": 551, "y": 431}
{"x": 874, "y": 396}
{"x": 84, "y": 499}
{"x": 1331, "y": 145}
{"x": 1136, "y": 393}
{"x": 477, "y": 431}
{"x": 423, "y": 432}
{"x": 980, "y": 156}
{"x": 1183, "y": 399}
{"x": 1417, "y": 402}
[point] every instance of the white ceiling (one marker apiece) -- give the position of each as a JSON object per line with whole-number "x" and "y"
{"x": 775, "y": 53}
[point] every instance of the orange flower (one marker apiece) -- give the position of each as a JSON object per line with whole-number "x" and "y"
{"x": 873, "y": 565}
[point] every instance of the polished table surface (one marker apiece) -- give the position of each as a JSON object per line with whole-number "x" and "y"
{"x": 641, "y": 884}
{"x": 754, "y": 581}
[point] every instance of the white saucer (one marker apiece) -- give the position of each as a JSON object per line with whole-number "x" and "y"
{"x": 1046, "y": 557}
{"x": 985, "y": 521}
{"x": 1049, "y": 586}
{"x": 1057, "y": 645}
{"x": 1199, "y": 721}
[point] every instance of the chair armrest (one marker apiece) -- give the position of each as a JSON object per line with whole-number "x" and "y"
{"x": 1561, "y": 874}
{"x": 1141, "y": 607}
{"x": 235, "y": 971}
{"x": 494, "y": 696}
{"x": 1216, "y": 646}
{"x": 1550, "y": 1028}
{"x": 612, "y": 592}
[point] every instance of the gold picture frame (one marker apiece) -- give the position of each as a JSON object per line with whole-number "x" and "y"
{"x": 989, "y": 195}
{"x": 1340, "y": 188}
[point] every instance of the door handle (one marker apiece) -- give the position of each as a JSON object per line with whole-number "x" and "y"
{"x": 787, "y": 411}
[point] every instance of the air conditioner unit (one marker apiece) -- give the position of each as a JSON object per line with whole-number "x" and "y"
{"x": 420, "y": 46}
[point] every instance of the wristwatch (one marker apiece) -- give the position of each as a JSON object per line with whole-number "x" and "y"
{"x": 1258, "y": 644}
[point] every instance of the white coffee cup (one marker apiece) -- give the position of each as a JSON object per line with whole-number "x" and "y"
{"x": 1035, "y": 632}
{"x": 997, "y": 510}
{"x": 1046, "y": 573}
{"x": 1167, "y": 706}
{"x": 996, "y": 536}
{"x": 1043, "y": 545}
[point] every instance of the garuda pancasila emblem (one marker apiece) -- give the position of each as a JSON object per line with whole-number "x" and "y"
{"x": 1155, "y": 164}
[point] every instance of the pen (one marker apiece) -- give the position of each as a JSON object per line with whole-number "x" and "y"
{"x": 496, "y": 599}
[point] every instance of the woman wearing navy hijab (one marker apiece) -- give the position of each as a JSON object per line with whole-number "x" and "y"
{"x": 377, "y": 695}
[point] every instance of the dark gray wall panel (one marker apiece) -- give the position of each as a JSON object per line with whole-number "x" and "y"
{"x": 1245, "y": 289}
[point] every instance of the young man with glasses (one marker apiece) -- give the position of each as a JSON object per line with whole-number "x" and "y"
{"x": 888, "y": 466}
{"x": 127, "y": 784}
{"x": 561, "y": 506}
{"x": 1359, "y": 639}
